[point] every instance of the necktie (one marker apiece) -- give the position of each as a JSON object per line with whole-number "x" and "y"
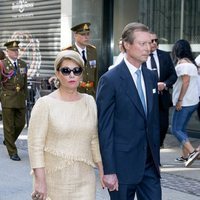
{"x": 15, "y": 65}
{"x": 153, "y": 65}
{"x": 83, "y": 56}
{"x": 140, "y": 90}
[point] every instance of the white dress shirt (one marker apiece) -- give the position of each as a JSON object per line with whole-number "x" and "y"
{"x": 80, "y": 50}
{"x": 132, "y": 70}
{"x": 148, "y": 62}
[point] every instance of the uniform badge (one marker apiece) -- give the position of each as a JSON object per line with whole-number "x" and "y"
{"x": 22, "y": 70}
{"x": 85, "y": 27}
{"x": 92, "y": 63}
{"x": 14, "y": 44}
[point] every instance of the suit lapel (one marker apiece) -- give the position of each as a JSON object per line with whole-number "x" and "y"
{"x": 161, "y": 63}
{"x": 130, "y": 88}
{"x": 88, "y": 54}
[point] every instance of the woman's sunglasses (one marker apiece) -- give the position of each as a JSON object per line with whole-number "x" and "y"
{"x": 77, "y": 71}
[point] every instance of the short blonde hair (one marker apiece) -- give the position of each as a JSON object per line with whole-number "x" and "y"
{"x": 68, "y": 54}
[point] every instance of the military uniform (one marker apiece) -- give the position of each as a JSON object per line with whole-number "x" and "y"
{"x": 90, "y": 73}
{"x": 13, "y": 99}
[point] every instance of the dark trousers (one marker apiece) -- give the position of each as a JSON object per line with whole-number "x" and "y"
{"x": 164, "y": 123}
{"x": 198, "y": 110}
{"x": 149, "y": 188}
{"x": 13, "y": 123}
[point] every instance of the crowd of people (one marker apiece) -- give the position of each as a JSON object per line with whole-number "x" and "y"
{"x": 116, "y": 123}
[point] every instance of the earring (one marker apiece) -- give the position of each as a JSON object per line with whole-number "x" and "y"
{"x": 57, "y": 83}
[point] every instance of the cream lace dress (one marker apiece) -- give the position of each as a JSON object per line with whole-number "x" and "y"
{"x": 62, "y": 138}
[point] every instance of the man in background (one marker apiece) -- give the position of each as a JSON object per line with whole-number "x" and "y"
{"x": 88, "y": 52}
{"x": 13, "y": 79}
{"x": 161, "y": 64}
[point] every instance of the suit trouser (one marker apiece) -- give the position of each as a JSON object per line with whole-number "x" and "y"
{"x": 13, "y": 124}
{"x": 164, "y": 123}
{"x": 198, "y": 110}
{"x": 149, "y": 188}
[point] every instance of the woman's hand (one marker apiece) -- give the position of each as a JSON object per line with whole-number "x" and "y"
{"x": 101, "y": 173}
{"x": 40, "y": 188}
{"x": 179, "y": 105}
{"x": 111, "y": 182}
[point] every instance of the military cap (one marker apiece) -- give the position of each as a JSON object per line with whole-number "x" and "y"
{"x": 81, "y": 28}
{"x": 12, "y": 44}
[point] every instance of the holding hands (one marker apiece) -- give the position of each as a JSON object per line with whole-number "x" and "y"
{"x": 111, "y": 182}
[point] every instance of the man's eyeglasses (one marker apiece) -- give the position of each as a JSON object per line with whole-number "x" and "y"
{"x": 77, "y": 71}
{"x": 154, "y": 40}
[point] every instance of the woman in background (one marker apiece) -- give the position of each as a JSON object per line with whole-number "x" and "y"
{"x": 185, "y": 98}
{"x": 197, "y": 60}
{"x": 62, "y": 140}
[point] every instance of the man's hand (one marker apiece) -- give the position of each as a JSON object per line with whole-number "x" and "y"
{"x": 161, "y": 86}
{"x": 111, "y": 182}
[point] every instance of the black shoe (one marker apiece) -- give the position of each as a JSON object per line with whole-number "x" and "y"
{"x": 181, "y": 159}
{"x": 4, "y": 142}
{"x": 15, "y": 157}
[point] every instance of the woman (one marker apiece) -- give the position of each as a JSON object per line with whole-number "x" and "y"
{"x": 185, "y": 98}
{"x": 62, "y": 140}
{"x": 197, "y": 60}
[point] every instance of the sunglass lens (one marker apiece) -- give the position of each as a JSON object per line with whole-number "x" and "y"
{"x": 77, "y": 71}
{"x": 65, "y": 71}
{"x": 154, "y": 40}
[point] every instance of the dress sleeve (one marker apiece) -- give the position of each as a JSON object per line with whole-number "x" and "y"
{"x": 95, "y": 140}
{"x": 186, "y": 69}
{"x": 37, "y": 133}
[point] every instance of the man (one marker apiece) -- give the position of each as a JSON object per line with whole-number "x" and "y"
{"x": 127, "y": 103}
{"x": 13, "y": 79}
{"x": 161, "y": 64}
{"x": 89, "y": 54}
{"x": 120, "y": 56}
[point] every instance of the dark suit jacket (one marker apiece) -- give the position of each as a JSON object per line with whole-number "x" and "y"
{"x": 167, "y": 75}
{"x": 124, "y": 130}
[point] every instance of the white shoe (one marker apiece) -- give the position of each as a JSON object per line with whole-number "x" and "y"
{"x": 191, "y": 158}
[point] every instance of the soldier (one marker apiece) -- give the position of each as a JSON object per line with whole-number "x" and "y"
{"x": 13, "y": 79}
{"x": 89, "y": 54}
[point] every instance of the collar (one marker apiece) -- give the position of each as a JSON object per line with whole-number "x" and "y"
{"x": 131, "y": 67}
{"x": 12, "y": 61}
{"x": 80, "y": 49}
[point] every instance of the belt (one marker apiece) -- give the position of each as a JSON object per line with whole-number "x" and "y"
{"x": 14, "y": 88}
{"x": 88, "y": 84}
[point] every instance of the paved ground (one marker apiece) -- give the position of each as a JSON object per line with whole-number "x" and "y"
{"x": 178, "y": 182}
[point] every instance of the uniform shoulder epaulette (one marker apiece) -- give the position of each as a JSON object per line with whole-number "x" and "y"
{"x": 67, "y": 48}
{"x": 92, "y": 46}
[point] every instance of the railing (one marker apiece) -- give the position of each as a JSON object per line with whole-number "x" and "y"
{"x": 37, "y": 87}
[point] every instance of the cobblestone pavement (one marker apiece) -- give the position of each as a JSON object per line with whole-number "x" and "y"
{"x": 180, "y": 183}
{"x": 170, "y": 180}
